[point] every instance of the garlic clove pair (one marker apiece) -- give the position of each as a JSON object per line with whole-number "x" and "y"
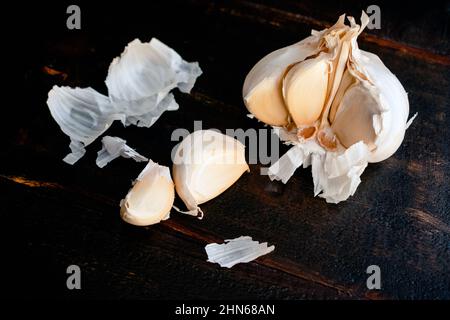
{"x": 270, "y": 86}
{"x": 151, "y": 198}
{"x": 262, "y": 87}
{"x": 207, "y": 163}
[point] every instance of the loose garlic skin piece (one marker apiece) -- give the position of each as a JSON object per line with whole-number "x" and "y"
{"x": 151, "y": 198}
{"x": 345, "y": 108}
{"x": 206, "y": 163}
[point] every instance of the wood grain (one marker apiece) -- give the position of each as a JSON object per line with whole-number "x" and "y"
{"x": 399, "y": 217}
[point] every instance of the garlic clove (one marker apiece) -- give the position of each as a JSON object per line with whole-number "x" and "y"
{"x": 220, "y": 175}
{"x": 206, "y": 163}
{"x": 305, "y": 88}
{"x": 150, "y": 199}
{"x": 261, "y": 90}
{"x": 355, "y": 116}
{"x": 266, "y": 103}
{"x": 391, "y": 124}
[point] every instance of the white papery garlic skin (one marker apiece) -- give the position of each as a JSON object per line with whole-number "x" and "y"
{"x": 150, "y": 199}
{"x": 206, "y": 163}
{"x": 139, "y": 84}
{"x": 240, "y": 250}
{"x": 114, "y": 147}
{"x": 338, "y": 105}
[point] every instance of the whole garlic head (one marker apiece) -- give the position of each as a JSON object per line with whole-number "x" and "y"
{"x": 338, "y": 105}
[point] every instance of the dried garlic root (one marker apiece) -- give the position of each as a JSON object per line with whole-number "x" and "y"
{"x": 327, "y": 96}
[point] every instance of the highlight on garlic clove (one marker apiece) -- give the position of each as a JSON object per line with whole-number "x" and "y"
{"x": 344, "y": 107}
{"x": 150, "y": 199}
{"x": 206, "y": 163}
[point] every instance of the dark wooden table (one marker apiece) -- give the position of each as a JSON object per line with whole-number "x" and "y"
{"x": 399, "y": 218}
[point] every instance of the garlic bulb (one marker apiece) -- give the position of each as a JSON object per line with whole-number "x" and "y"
{"x": 206, "y": 163}
{"x": 338, "y": 105}
{"x": 151, "y": 198}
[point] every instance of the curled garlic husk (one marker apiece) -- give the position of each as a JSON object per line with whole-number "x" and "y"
{"x": 206, "y": 163}
{"x": 139, "y": 91}
{"x": 114, "y": 147}
{"x": 150, "y": 199}
{"x": 338, "y": 105}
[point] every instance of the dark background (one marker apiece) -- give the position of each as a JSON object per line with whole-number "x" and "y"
{"x": 55, "y": 215}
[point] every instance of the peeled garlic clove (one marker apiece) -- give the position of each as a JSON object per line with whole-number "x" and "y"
{"x": 150, "y": 199}
{"x": 206, "y": 163}
{"x": 305, "y": 89}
